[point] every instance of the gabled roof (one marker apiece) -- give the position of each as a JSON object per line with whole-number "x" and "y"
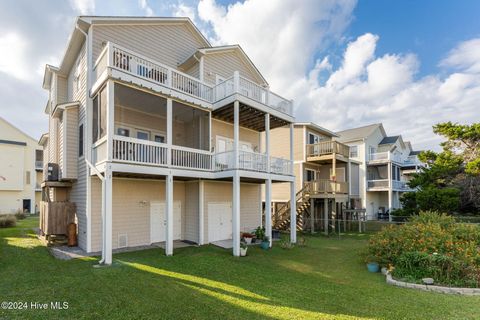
{"x": 59, "y": 108}
{"x": 83, "y": 23}
{"x": 43, "y": 139}
{"x": 16, "y": 129}
{"x": 222, "y": 49}
{"x": 415, "y": 153}
{"x": 360, "y": 132}
{"x": 316, "y": 127}
{"x": 389, "y": 140}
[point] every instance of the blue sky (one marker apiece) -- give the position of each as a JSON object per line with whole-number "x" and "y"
{"x": 408, "y": 64}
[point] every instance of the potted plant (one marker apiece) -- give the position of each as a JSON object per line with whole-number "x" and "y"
{"x": 243, "y": 248}
{"x": 265, "y": 243}
{"x": 247, "y": 237}
{"x": 259, "y": 233}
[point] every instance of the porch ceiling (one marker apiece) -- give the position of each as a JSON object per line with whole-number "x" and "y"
{"x": 249, "y": 117}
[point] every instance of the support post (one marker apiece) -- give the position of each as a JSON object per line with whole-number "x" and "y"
{"x": 236, "y": 214}
{"x": 325, "y": 216}
{"x": 169, "y": 131}
{"x": 201, "y": 212}
{"x": 268, "y": 209}
{"x": 267, "y": 140}
{"x": 236, "y": 132}
{"x": 169, "y": 215}
{"x": 293, "y": 200}
{"x": 334, "y": 213}
{"x": 312, "y": 215}
{"x": 390, "y": 193}
{"x": 110, "y": 131}
{"x": 108, "y": 214}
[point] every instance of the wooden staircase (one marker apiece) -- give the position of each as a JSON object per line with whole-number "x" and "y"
{"x": 281, "y": 217}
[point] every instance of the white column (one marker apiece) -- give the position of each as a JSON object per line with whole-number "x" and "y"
{"x": 390, "y": 193}
{"x": 268, "y": 209}
{"x": 201, "y": 68}
{"x": 169, "y": 215}
{"x": 267, "y": 140}
{"x": 236, "y": 132}
{"x": 312, "y": 215}
{"x": 201, "y": 213}
{"x": 169, "y": 131}
{"x": 325, "y": 216}
{"x": 293, "y": 200}
{"x": 236, "y": 214}
{"x": 108, "y": 214}
{"x": 110, "y": 131}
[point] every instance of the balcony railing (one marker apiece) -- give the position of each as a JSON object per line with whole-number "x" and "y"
{"x": 143, "y": 152}
{"x": 384, "y": 184}
{"x": 327, "y": 147}
{"x": 384, "y": 156}
{"x": 373, "y": 184}
{"x": 326, "y": 186}
{"x": 119, "y": 58}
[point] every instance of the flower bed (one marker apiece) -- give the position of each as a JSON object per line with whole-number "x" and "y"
{"x": 431, "y": 245}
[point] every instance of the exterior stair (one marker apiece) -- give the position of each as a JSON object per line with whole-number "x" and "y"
{"x": 281, "y": 218}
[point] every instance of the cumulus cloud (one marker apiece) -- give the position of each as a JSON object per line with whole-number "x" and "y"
{"x": 13, "y": 50}
{"x": 83, "y": 7}
{"x": 145, "y": 7}
{"x": 282, "y": 38}
{"x": 183, "y": 10}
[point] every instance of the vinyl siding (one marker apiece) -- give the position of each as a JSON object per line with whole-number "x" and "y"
{"x": 225, "y": 129}
{"x": 62, "y": 91}
{"x": 71, "y": 143}
{"x": 225, "y": 64}
{"x": 78, "y": 193}
{"x": 194, "y": 71}
{"x": 220, "y": 191}
{"x": 61, "y": 144}
{"x": 168, "y": 44}
{"x": 279, "y": 142}
{"x": 131, "y": 209}
{"x": 191, "y": 231}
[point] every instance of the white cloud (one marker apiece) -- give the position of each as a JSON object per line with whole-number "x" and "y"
{"x": 146, "y": 8}
{"x": 83, "y": 7}
{"x": 282, "y": 38}
{"x": 183, "y": 10}
{"x": 13, "y": 51}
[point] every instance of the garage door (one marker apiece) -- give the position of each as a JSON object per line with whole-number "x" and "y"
{"x": 158, "y": 222}
{"x": 219, "y": 221}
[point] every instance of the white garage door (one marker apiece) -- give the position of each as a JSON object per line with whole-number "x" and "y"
{"x": 158, "y": 222}
{"x": 219, "y": 221}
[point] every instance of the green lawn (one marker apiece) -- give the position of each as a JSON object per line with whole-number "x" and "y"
{"x": 324, "y": 280}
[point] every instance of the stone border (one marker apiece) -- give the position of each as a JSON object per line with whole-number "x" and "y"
{"x": 424, "y": 287}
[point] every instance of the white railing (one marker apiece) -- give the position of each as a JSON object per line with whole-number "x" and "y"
{"x": 139, "y": 151}
{"x": 249, "y": 160}
{"x": 224, "y": 161}
{"x": 400, "y": 185}
{"x": 280, "y": 166}
{"x": 223, "y": 89}
{"x": 191, "y": 158}
{"x": 383, "y": 183}
{"x": 379, "y": 156}
{"x": 117, "y": 57}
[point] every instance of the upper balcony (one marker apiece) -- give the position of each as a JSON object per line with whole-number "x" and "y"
{"x": 326, "y": 151}
{"x": 384, "y": 184}
{"x": 128, "y": 65}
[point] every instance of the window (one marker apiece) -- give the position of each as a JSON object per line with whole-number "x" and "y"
{"x": 123, "y": 132}
{"x": 27, "y": 177}
{"x": 143, "y": 135}
{"x": 80, "y": 140}
{"x": 313, "y": 138}
{"x": 310, "y": 175}
{"x": 353, "y": 151}
{"x": 99, "y": 115}
{"x": 159, "y": 138}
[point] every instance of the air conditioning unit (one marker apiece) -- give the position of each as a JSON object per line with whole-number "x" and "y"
{"x": 52, "y": 172}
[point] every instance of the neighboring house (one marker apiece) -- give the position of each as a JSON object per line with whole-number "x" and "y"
{"x": 21, "y": 165}
{"x": 386, "y": 165}
{"x": 156, "y": 135}
{"x": 325, "y": 184}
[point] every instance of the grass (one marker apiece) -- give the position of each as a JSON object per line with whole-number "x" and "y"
{"x": 324, "y": 280}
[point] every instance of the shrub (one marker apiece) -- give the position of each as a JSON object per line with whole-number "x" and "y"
{"x": 7, "y": 221}
{"x": 20, "y": 215}
{"x": 433, "y": 198}
{"x": 432, "y": 245}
